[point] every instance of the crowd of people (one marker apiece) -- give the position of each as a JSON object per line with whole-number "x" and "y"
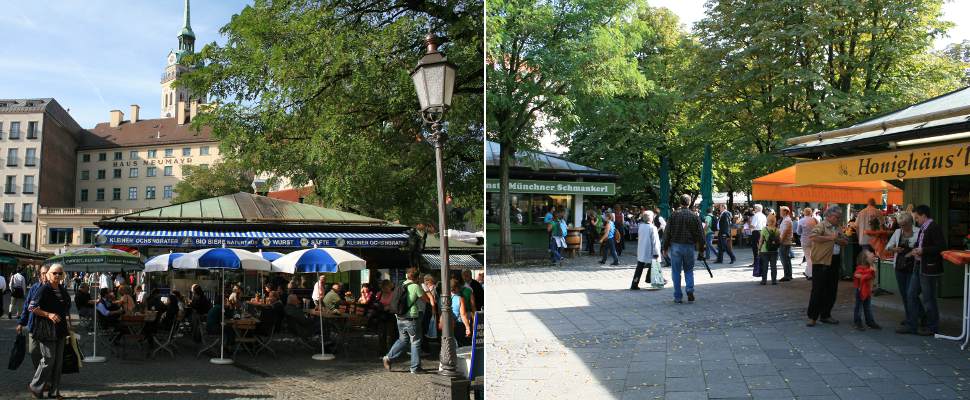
{"x": 42, "y": 307}
{"x": 910, "y": 238}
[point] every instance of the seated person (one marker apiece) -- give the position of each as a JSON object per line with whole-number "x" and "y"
{"x": 125, "y": 300}
{"x": 214, "y": 322}
{"x": 332, "y": 300}
{"x": 166, "y": 315}
{"x": 84, "y": 302}
{"x": 109, "y": 313}
{"x": 365, "y": 295}
{"x": 297, "y": 320}
{"x": 271, "y": 315}
{"x": 154, "y": 301}
{"x": 235, "y": 298}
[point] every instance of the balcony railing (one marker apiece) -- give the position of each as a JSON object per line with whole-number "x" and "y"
{"x": 86, "y": 211}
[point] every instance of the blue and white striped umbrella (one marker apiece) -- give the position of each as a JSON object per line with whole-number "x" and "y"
{"x": 318, "y": 260}
{"x": 270, "y": 255}
{"x": 222, "y": 258}
{"x": 162, "y": 263}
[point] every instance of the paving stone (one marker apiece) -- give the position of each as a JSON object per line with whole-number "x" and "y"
{"x": 686, "y": 396}
{"x": 684, "y": 384}
{"x": 842, "y": 380}
{"x": 856, "y": 393}
{"x": 772, "y": 394}
{"x": 935, "y": 391}
{"x": 727, "y": 390}
{"x": 766, "y": 382}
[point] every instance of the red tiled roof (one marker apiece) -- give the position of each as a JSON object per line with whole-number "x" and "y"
{"x": 145, "y": 132}
{"x": 293, "y": 195}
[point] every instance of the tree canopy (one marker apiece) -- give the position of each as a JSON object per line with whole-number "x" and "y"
{"x": 202, "y": 182}
{"x": 319, "y": 92}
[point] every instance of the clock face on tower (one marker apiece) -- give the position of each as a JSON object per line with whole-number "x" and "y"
{"x": 171, "y": 58}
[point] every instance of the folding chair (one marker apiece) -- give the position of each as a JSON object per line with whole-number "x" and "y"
{"x": 208, "y": 340}
{"x": 168, "y": 341}
{"x": 263, "y": 341}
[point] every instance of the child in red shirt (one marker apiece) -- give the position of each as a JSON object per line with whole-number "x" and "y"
{"x": 863, "y": 282}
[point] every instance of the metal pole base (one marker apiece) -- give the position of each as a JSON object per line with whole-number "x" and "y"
{"x": 221, "y": 361}
{"x": 449, "y": 388}
{"x": 448, "y": 357}
{"x": 323, "y": 357}
{"x": 94, "y": 359}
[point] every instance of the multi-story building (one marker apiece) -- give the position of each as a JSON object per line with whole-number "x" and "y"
{"x": 38, "y": 139}
{"x": 137, "y": 163}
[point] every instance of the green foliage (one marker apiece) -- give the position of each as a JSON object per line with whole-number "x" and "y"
{"x": 543, "y": 56}
{"x": 202, "y": 182}
{"x": 319, "y": 92}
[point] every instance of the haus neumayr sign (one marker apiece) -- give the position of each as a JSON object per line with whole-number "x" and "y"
{"x": 946, "y": 160}
{"x": 554, "y": 187}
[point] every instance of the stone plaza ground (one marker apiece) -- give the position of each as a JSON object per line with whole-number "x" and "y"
{"x": 578, "y": 332}
{"x": 356, "y": 373}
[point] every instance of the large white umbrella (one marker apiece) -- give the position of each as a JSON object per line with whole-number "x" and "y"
{"x": 222, "y": 259}
{"x": 319, "y": 260}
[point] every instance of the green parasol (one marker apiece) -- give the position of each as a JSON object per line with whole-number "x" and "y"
{"x": 95, "y": 259}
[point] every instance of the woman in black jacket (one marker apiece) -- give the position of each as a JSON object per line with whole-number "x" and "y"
{"x": 50, "y": 328}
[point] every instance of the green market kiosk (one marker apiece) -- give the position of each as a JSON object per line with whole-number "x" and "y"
{"x": 537, "y": 181}
{"x": 923, "y": 149}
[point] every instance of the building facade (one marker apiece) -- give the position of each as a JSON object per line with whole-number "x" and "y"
{"x": 61, "y": 229}
{"x": 137, "y": 164}
{"x": 38, "y": 139}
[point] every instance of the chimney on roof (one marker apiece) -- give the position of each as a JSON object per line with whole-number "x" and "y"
{"x": 116, "y": 117}
{"x": 193, "y": 109}
{"x": 134, "y": 113}
{"x": 180, "y": 112}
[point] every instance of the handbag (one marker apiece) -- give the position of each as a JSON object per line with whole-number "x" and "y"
{"x": 17, "y": 352}
{"x": 71, "y": 364}
{"x": 656, "y": 275}
{"x": 44, "y": 330}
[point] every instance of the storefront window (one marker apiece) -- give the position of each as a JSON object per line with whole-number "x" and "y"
{"x": 528, "y": 209}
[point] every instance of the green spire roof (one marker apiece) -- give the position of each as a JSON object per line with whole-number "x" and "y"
{"x": 186, "y": 24}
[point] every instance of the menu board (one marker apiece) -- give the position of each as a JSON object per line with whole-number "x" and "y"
{"x": 478, "y": 346}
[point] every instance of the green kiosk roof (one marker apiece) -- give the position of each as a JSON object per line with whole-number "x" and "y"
{"x": 248, "y": 208}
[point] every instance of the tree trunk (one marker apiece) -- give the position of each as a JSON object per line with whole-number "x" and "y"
{"x": 505, "y": 221}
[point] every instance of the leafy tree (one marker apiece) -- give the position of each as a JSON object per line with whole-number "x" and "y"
{"x": 319, "y": 92}
{"x": 202, "y": 182}
{"x": 780, "y": 69}
{"x": 541, "y": 55}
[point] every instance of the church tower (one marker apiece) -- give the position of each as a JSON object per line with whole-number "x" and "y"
{"x": 173, "y": 97}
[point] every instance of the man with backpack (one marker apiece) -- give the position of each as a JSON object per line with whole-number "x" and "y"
{"x": 404, "y": 305}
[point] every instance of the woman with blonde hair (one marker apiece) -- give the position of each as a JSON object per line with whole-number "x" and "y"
{"x": 51, "y": 325}
{"x": 768, "y": 245}
{"x": 805, "y": 225}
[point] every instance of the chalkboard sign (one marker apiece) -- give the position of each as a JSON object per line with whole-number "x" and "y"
{"x": 478, "y": 346}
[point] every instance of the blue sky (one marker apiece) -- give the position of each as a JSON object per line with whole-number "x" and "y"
{"x": 94, "y": 56}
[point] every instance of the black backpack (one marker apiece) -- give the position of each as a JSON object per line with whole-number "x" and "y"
{"x": 399, "y": 304}
{"x": 773, "y": 242}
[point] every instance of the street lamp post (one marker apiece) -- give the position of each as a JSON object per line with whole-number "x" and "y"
{"x": 434, "y": 80}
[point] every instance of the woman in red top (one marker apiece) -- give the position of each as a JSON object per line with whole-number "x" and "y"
{"x": 864, "y": 278}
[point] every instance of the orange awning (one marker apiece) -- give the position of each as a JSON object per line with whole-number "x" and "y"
{"x": 780, "y": 186}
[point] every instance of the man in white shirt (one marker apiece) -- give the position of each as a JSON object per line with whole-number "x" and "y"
{"x": 18, "y": 290}
{"x": 104, "y": 282}
{"x": 758, "y": 222}
{"x": 319, "y": 289}
{"x": 863, "y": 219}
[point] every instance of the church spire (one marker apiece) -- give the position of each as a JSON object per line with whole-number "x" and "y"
{"x": 186, "y": 36}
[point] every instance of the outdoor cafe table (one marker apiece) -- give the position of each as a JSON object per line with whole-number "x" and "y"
{"x": 959, "y": 257}
{"x": 133, "y": 326}
{"x": 244, "y": 328}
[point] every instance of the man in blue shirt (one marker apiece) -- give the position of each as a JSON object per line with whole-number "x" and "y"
{"x": 27, "y": 317}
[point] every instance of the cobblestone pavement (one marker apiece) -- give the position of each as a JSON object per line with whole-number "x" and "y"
{"x": 355, "y": 374}
{"x": 578, "y": 332}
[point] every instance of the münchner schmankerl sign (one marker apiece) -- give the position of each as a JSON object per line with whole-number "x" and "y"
{"x": 554, "y": 187}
